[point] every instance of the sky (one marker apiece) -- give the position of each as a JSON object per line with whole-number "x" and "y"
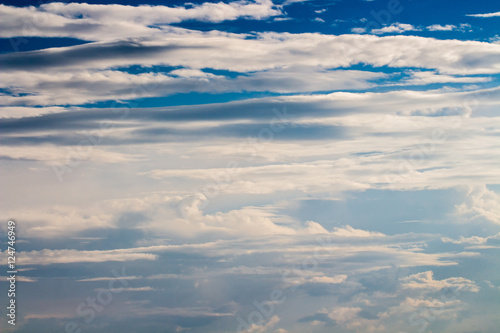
{"x": 251, "y": 166}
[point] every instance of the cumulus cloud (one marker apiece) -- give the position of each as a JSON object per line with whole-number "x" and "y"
{"x": 482, "y": 203}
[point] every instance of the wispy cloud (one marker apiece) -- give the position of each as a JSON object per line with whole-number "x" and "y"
{"x": 485, "y": 15}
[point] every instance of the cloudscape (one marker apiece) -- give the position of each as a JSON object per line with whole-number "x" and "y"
{"x": 257, "y": 166}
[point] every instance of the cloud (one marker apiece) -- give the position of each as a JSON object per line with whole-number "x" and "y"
{"x": 54, "y": 155}
{"x": 47, "y": 257}
{"x": 481, "y": 203}
{"x": 438, "y": 27}
{"x": 396, "y": 28}
{"x": 337, "y": 316}
{"x": 265, "y": 327}
{"x": 348, "y": 231}
{"x": 107, "y": 22}
{"x": 192, "y": 312}
{"x": 20, "y": 278}
{"x": 425, "y": 281}
{"x": 430, "y": 77}
{"x": 21, "y": 112}
{"x": 84, "y": 73}
{"x": 474, "y": 240}
{"x": 113, "y": 290}
{"x": 485, "y": 15}
{"x": 57, "y": 220}
{"x": 108, "y": 279}
{"x": 312, "y": 278}
{"x": 265, "y": 51}
{"x": 450, "y": 27}
{"x": 85, "y": 87}
{"x": 466, "y": 240}
{"x": 358, "y": 30}
{"x": 297, "y": 183}
{"x": 433, "y": 152}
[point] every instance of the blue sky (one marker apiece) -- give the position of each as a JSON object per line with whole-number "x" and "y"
{"x": 252, "y": 166}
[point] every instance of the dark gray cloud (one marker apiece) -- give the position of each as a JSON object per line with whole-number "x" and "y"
{"x": 80, "y": 55}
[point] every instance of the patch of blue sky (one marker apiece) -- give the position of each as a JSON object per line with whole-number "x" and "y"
{"x": 192, "y": 98}
{"x": 139, "y": 69}
{"x": 391, "y": 212}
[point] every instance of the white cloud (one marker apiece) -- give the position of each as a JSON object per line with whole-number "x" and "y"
{"x": 358, "y": 30}
{"x": 425, "y": 281}
{"x": 474, "y": 240}
{"x": 21, "y": 112}
{"x": 20, "y": 278}
{"x": 151, "y": 177}
{"x": 466, "y": 240}
{"x": 264, "y": 327}
{"x": 86, "y": 87}
{"x": 396, "y": 28}
{"x": 480, "y": 203}
{"x": 47, "y": 257}
{"x": 341, "y": 315}
{"x": 491, "y": 285}
{"x": 310, "y": 277}
{"x": 329, "y": 279}
{"x": 348, "y": 231}
{"x": 438, "y": 27}
{"x": 265, "y": 51}
{"x": 55, "y": 156}
{"x": 429, "y": 77}
{"x": 107, "y": 22}
{"x": 485, "y": 15}
{"x": 108, "y": 278}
